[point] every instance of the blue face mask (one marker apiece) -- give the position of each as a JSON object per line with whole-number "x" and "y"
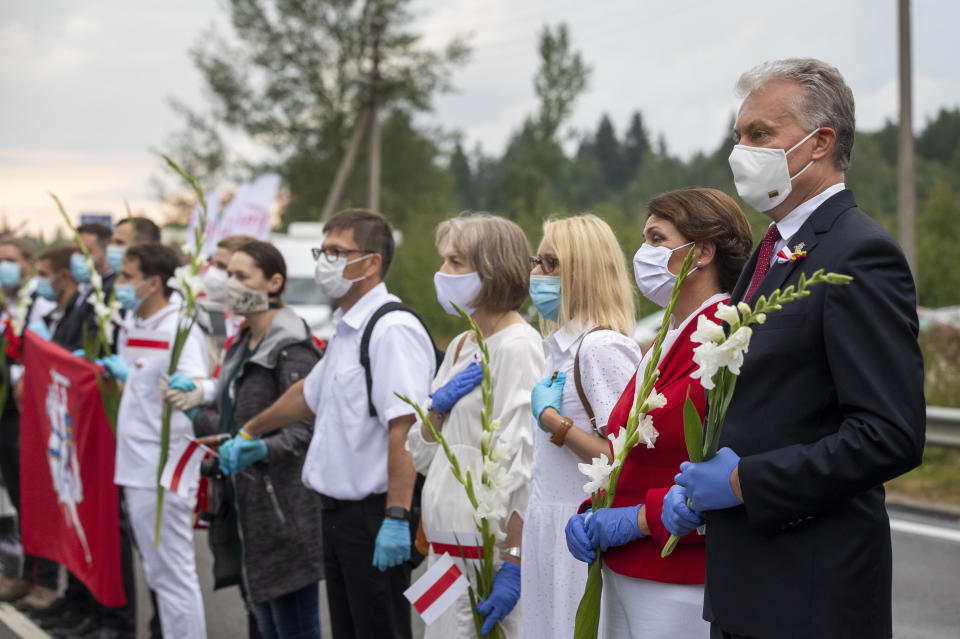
{"x": 45, "y": 289}
{"x": 127, "y": 296}
{"x": 115, "y": 257}
{"x": 9, "y": 274}
{"x": 78, "y": 268}
{"x": 545, "y": 294}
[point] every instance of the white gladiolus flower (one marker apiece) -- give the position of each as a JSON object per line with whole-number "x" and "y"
{"x": 95, "y": 280}
{"x": 760, "y": 318}
{"x": 655, "y": 400}
{"x": 598, "y": 471}
{"x": 502, "y": 479}
{"x": 500, "y": 451}
{"x": 744, "y": 308}
{"x": 495, "y": 424}
{"x": 618, "y": 442}
{"x": 491, "y": 503}
{"x": 728, "y": 314}
{"x": 708, "y": 359}
{"x": 648, "y": 434}
{"x": 707, "y": 331}
{"x": 485, "y": 438}
{"x": 734, "y": 348}
{"x": 186, "y": 282}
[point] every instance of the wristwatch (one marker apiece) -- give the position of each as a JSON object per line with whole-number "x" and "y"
{"x": 397, "y": 512}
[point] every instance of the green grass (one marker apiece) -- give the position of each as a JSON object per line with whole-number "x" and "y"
{"x": 937, "y": 479}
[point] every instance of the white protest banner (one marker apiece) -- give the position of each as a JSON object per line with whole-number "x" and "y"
{"x": 213, "y": 216}
{"x": 248, "y": 213}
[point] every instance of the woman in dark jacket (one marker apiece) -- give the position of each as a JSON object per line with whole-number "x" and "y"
{"x": 276, "y": 516}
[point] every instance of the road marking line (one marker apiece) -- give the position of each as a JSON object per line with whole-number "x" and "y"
{"x": 925, "y": 530}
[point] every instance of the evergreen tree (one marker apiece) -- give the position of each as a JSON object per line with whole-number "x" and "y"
{"x": 606, "y": 146}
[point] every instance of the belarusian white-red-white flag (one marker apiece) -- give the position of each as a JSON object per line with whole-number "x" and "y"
{"x": 437, "y": 589}
{"x": 182, "y": 471}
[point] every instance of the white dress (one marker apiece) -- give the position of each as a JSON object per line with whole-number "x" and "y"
{"x": 553, "y": 581}
{"x": 516, "y": 359}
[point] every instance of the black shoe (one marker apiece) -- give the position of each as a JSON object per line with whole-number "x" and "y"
{"x": 68, "y": 617}
{"x": 86, "y": 624}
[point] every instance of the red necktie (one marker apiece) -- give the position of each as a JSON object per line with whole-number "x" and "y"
{"x": 763, "y": 260}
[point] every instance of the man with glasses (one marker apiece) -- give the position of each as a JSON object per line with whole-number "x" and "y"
{"x": 357, "y": 458}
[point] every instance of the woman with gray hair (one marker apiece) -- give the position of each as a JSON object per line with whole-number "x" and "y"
{"x": 485, "y": 272}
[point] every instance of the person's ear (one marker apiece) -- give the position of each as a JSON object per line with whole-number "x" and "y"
{"x": 374, "y": 262}
{"x": 826, "y": 140}
{"x": 705, "y": 253}
{"x": 274, "y": 284}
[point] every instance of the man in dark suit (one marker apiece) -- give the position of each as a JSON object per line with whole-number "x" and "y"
{"x": 829, "y": 403}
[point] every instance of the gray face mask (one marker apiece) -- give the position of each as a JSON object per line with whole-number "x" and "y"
{"x": 241, "y": 299}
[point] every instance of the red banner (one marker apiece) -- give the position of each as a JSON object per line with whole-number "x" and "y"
{"x": 70, "y": 503}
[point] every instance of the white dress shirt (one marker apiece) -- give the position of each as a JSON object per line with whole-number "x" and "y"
{"x": 793, "y": 220}
{"x": 347, "y": 458}
{"x": 139, "y": 417}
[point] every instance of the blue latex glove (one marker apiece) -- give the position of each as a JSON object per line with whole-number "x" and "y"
{"x": 228, "y": 456}
{"x": 503, "y": 597}
{"x": 547, "y": 394}
{"x": 578, "y": 543}
{"x": 191, "y": 413}
{"x": 676, "y": 517}
{"x": 708, "y": 483}
{"x": 392, "y": 547}
{"x": 181, "y": 381}
{"x": 459, "y": 385}
{"x": 613, "y": 527}
{"x": 40, "y": 329}
{"x": 79, "y": 353}
{"x": 240, "y": 452}
{"x": 116, "y": 366}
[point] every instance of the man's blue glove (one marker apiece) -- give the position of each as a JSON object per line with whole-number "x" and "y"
{"x": 116, "y": 366}
{"x": 181, "y": 381}
{"x": 392, "y": 547}
{"x": 613, "y": 527}
{"x": 459, "y": 385}
{"x": 578, "y": 543}
{"x": 503, "y": 597}
{"x": 40, "y": 329}
{"x": 547, "y": 394}
{"x": 240, "y": 452}
{"x": 79, "y": 353}
{"x": 708, "y": 483}
{"x": 676, "y": 517}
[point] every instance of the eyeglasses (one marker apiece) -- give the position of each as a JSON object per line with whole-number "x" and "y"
{"x": 333, "y": 254}
{"x": 547, "y": 264}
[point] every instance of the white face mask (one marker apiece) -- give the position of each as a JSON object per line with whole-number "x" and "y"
{"x": 329, "y": 276}
{"x": 459, "y": 289}
{"x": 653, "y": 276}
{"x": 215, "y": 284}
{"x": 242, "y": 300}
{"x": 762, "y": 175}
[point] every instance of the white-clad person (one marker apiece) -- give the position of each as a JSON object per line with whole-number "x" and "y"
{"x": 485, "y": 271}
{"x": 580, "y": 287}
{"x": 357, "y": 458}
{"x": 143, "y": 356}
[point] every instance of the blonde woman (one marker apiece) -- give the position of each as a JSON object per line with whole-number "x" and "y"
{"x": 485, "y": 272}
{"x": 581, "y": 289}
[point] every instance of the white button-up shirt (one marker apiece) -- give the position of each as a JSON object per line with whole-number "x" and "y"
{"x": 347, "y": 458}
{"x": 793, "y": 220}
{"x": 138, "y": 420}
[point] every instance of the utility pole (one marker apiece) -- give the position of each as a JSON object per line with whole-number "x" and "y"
{"x": 906, "y": 163}
{"x": 373, "y": 177}
{"x": 368, "y": 123}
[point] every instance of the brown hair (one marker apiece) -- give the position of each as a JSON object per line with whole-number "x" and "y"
{"x": 146, "y": 231}
{"x": 371, "y": 231}
{"x": 499, "y": 251}
{"x": 709, "y": 215}
{"x": 233, "y": 242}
{"x": 155, "y": 258}
{"x": 102, "y": 232}
{"x": 269, "y": 260}
{"x": 23, "y": 245}
{"x": 59, "y": 255}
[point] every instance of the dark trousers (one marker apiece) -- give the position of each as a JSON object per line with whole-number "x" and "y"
{"x": 717, "y": 633}
{"x": 38, "y": 570}
{"x": 295, "y": 615}
{"x": 364, "y": 602}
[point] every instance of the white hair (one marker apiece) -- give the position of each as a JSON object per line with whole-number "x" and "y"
{"x": 827, "y": 100}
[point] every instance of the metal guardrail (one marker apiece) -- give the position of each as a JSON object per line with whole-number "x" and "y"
{"x": 943, "y": 426}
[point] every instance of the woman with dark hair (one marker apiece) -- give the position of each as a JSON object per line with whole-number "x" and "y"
{"x": 644, "y": 595}
{"x": 265, "y": 517}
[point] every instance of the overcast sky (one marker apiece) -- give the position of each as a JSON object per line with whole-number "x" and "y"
{"x": 83, "y": 85}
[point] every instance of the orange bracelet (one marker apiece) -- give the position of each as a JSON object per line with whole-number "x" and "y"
{"x": 558, "y": 437}
{"x": 246, "y": 435}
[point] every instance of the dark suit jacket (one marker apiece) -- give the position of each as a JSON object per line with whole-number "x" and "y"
{"x": 829, "y": 405}
{"x": 78, "y": 319}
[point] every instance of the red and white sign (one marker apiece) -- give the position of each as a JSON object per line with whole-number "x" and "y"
{"x": 70, "y": 505}
{"x": 466, "y": 545}
{"x": 142, "y": 343}
{"x": 182, "y": 470}
{"x": 437, "y": 589}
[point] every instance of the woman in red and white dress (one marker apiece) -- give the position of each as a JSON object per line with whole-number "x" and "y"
{"x": 644, "y": 595}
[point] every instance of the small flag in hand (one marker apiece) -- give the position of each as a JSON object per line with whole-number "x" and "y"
{"x": 182, "y": 470}
{"x": 437, "y": 589}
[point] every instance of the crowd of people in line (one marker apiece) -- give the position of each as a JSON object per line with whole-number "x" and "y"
{"x": 325, "y": 473}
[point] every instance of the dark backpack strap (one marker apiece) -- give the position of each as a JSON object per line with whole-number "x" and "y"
{"x": 365, "y": 345}
{"x": 576, "y": 380}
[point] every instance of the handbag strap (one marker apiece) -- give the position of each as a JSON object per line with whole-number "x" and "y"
{"x": 456, "y": 353}
{"x": 576, "y": 380}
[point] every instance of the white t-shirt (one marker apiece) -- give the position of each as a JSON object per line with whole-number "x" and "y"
{"x": 138, "y": 421}
{"x": 347, "y": 458}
